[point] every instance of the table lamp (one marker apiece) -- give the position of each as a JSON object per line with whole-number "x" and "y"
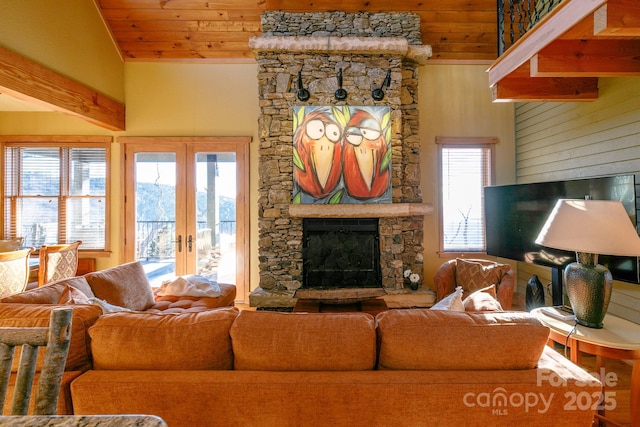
{"x": 589, "y": 228}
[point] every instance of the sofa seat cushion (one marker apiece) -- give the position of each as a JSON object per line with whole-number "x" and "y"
{"x": 152, "y": 341}
{"x": 185, "y": 304}
{"x": 422, "y": 339}
{"x": 51, "y": 293}
{"x": 35, "y": 315}
{"x": 125, "y": 285}
{"x": 272, "y": 341}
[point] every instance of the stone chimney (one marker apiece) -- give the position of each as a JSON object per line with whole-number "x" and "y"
{"x": 365, "y": 46}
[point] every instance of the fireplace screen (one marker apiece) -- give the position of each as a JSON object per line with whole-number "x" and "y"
{"x": 341, "y": 253}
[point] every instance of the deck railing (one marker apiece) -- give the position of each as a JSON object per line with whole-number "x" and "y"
{"x": 156, "y": 238}
{"x": 516, "y": 17}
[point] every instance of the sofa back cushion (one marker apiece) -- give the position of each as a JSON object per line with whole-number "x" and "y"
{"x": 152, "y": 341}
{"x": 125, "y": 285}
{"x": 271, "y": 341}
{"x": 51, "y": 293}
{"x": 35, "y": 315}
{"x": 422, "y": 339}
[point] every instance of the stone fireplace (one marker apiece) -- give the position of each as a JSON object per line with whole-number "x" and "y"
{"x": 366, "y": 47}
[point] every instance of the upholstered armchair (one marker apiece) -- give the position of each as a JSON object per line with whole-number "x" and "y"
{"x": 478, "y": 273}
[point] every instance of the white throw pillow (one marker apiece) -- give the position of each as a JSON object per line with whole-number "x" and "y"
{"x": 453, "y": 301}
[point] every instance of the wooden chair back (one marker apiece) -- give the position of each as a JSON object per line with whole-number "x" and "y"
{"x": 14, "y": 271}
{"x": 58, "y": 262}
{"x": 55, "y": 339}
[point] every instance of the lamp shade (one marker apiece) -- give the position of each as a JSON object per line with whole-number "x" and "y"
{"x": 590, "y": 226}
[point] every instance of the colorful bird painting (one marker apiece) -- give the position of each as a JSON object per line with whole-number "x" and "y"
{"x": 317, "y": 153}
{"x": 366, "y": 157}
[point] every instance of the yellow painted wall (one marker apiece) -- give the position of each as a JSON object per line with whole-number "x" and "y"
{"x": 167, "y": 100}
{"x": 197, "y": 100}
{"x": 222, "y": 100}
{"x": 66, "y": 36}
{"x": 184, "y": 99}
{"x": 455, "y": 100}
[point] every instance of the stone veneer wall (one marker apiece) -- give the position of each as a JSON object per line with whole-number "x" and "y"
{"x": 280, "y": 235}
{"x": 342, "y": 24}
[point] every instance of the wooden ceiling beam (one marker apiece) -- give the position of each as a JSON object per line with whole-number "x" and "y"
{"x": 588, "y": 58}
{"x": 618, "y": 18}
{"x": 564, "y": 16}
{"x": 564, "y": 54}
{"x": 538, "y": 89}
{"x": 29, "y": 81}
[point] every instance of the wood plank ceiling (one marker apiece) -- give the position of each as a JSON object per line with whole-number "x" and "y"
{"x": 218, "y": 31}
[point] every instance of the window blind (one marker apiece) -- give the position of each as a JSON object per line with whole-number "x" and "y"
{"x": 465, "y": 171}
{"x": 55, "y": 194}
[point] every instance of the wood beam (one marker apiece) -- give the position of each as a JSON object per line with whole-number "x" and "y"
{"x": 617, "y": 18}
{"x": 29, "y": 81}
{"x": 588, "y": 58}
{"x": 564, "y": 16}
{"x": 518, "y": 89}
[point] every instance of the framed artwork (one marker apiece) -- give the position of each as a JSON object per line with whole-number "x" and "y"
{"x": 341, "y": 154}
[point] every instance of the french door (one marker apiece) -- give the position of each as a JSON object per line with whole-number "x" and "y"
{"x": 185, "y": 208}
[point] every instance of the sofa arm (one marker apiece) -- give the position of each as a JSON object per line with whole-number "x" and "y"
{"x": 504, "y": 290}
{"x": 445, "y": 279}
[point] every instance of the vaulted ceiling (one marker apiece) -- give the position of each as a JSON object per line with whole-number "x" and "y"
{"x": 218, "y": 31}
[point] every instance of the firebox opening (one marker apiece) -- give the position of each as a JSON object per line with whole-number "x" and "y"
{"x": 341, "y": 253}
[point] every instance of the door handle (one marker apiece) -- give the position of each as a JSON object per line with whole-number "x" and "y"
{"x": 190, "y": 243}
{"x": 179, "y": 241}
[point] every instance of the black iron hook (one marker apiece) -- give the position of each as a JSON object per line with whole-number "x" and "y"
{"x": 378, "y": 94}
{"x": 303, "y": 94}
{"x": 340, "y": 94}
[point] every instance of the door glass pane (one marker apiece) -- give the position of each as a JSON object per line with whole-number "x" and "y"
{"x": 216, "y": 216}
{"x": 155, "y": 207}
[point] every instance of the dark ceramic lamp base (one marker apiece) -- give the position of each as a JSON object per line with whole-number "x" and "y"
{"x": 589, "y": 286}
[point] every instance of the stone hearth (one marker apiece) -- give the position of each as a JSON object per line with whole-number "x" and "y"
{"x": 365, "y": 46}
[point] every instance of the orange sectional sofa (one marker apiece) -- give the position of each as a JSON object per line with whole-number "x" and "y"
{"x": 406, "y": 367}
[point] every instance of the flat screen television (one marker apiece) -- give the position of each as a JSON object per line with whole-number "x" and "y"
{"x": 514, "y": 215}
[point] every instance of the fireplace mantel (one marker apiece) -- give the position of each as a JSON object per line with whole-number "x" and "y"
{"x": 342, "y": 45}
{"x": 369, "y": 210}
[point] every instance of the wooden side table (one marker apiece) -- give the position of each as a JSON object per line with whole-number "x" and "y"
{"x": 618, "y": 339}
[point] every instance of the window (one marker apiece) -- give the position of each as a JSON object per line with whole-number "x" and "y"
{"x": 56, "y": 192}
{"x": 466, "y": 167}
